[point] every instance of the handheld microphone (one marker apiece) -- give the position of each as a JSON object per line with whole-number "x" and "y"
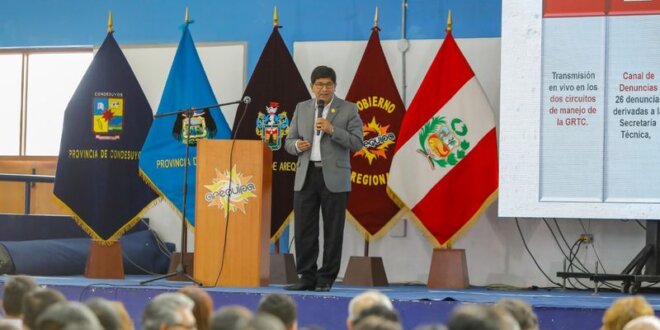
{"x": 320, "y": 104}
{"x": 247, "y": 99}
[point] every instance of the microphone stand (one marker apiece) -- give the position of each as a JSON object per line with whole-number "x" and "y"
{"x": 181, "y": 266}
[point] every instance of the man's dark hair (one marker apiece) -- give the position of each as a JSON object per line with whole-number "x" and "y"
{"x": 36, "y": 302}
{"x": 323, "y": 71}
{"x": 378, "y": 311}
{"x": 105, "y": 312}
{"x": 16, "y": 288}
{"x": 280, "y": 306}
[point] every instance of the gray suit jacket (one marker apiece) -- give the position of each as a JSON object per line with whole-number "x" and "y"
{"x": 335, "y": 148}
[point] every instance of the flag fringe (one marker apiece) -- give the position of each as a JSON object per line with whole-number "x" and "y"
{"x": 92, "y": 233}
{"x": 425, "y": 232}
{"x": 163, "y": 198}
{"x": 133, "y": 221}
{"x": 493, "y": 196}
{"x": 382, "y": 231}
{"x": 428, "y": 235}
{"x": 395, "y": 198}
{"x": 363, "y": 232}
{"x": 280, "y": 230}
{"x": 447, "y": 245}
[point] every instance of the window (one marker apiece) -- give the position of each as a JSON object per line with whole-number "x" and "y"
{"x": 36, "y": 87}
{"x": 10, "y": 109}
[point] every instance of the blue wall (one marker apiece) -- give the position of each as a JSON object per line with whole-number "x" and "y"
{"x": 35, "y": 23}
{"x": 46, "y": 23}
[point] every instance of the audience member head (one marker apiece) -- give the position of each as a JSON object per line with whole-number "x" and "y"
{"x": 233, "y": 317}
{"x": 647, "y": 322}
{"x": 375, "y": 322}
{"x": 264, "y": 321}
{"x": 124, "y": 319}
{"x": 437, "y": 326}
{"x": 363, "y": 301}
{"x": 67, "y": 315}
{"x": 8, "y": 325}
{"x": 377, "y": 311}
{"x": 169, "y": 311}
{"x": 473, "y": 316}
{"x": 36, "y": 302}
{"x": 521, "y": 311}
{"x": 203, "y": 305}
{"x": 623, "y": 310}
{"x": 280, "y": 306}
{"x": 16, "y": 288}
{"x": 105, "y": 312}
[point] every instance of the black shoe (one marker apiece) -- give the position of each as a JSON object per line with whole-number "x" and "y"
{"x": 300, "y": 286}
{"x": 323, "y": 287}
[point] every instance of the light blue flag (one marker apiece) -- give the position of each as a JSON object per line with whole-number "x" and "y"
{"x": 163, "y": 155}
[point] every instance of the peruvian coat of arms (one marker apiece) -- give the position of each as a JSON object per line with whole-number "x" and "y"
{"x": 272, "y": 127}
{"x": 442, "y": 143}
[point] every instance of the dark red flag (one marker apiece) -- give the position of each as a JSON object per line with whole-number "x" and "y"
{"x": 381, "y": 109}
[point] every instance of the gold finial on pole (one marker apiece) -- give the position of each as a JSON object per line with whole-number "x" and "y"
{"x": 187, "y": 18}
{"x": 110, "y": 27}
{"x": 449, "y": 22}
{"x": 376, "y": 17}
{"x": 276, "y": 18}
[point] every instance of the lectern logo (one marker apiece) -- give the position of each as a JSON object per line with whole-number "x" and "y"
{"x": 230, "y": 191}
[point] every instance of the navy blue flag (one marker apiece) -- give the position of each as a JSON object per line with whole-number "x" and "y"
{"x": 105, "y": 125}
{"x": 275, "y": 88}
{"x": 164, "y": 153}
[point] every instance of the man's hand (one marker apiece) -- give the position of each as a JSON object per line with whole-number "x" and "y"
{"x": 324, "y": 125}
{"x": 303, "y": 145}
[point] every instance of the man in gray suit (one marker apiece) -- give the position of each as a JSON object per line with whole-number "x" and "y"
{"x": 323, "y": 131}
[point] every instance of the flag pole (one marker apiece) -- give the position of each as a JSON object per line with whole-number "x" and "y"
{"x": 448, "y": 29}
{"x": 179, "y": 270}
{"x": 449, "y": 22}
{"x": 105, "y": 261}
{"x": 276, "y": 24}
{"x": 365, "y": 270}
{"x": 366, "y": 240}
{"x": 110, "y": 25}
{"x": 282, "y": 265}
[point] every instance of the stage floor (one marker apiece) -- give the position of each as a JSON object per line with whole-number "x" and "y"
{"x": 557, "y": 309}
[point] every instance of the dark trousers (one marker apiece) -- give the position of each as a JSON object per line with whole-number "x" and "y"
{"x": 306, "y": 203}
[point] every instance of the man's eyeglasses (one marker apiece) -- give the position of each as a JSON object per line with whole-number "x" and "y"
{"x": 327, "y": 85}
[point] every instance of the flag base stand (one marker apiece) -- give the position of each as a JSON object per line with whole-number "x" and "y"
{"x": 448, "y": 270}
{"x": 282, "y": 269}
{"x": 365, "y": 271}
{"x": 175, "y": 261}
{"x": 104, "y": 261}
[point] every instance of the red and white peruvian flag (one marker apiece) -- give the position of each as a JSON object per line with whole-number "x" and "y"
{"x": 445, "y": 165}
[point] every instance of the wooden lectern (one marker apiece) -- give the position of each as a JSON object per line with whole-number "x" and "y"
{"x": 246, "y": 250}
